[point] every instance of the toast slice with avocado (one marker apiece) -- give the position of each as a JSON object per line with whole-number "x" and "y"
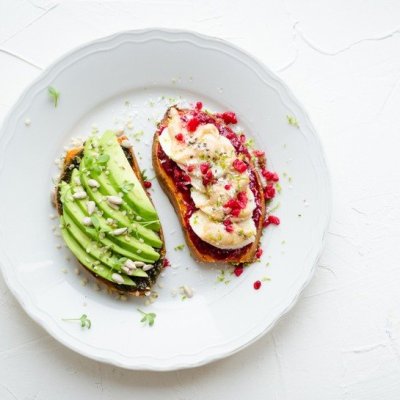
{"x": 209, "y": 175}
{"x": 107, "y": 218}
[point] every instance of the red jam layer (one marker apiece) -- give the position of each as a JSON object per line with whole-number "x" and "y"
{"x": 173, "y": 170}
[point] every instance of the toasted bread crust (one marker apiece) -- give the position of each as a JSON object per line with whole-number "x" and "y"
{"x": 111, "y": 286}
{"x": 176, "y": 199}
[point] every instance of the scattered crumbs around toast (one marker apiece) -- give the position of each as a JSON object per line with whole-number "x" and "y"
{"x": 224, "y": 276}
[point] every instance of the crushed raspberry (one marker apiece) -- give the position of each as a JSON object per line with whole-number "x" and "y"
{"x": 235, "y": 212}
{"x": 208, "y": 178}
{"x": 190, "y": 168}
{"x": 229, "y": 117}
{"x": 238, "y": 204}
{"x": 230, "y": 135}
{"x": 238, "y": 270}
{"x": 257, "y": 285}
{"x": 166, "y": 263}
{"x": 259, "y": 252}
{"x": 199, "y": 106}
{"x": 186, "y": 178}
{"x": 227, "y": 187}
{"x": 228, "y": 225}
{"x": 204, "y": 167}
{"x": 269, "y": 192}
{"x": 229, "y": 228}
{"x": 179, "y": 137}
{"x": 271, "y": 219}
{"x": 242, "y": 138}
{"x": 242, "y": 199}
{"x": 239, "y": 165}
{"x": 147, "y": 184}
{"x": 193, "y": 124}
{"x": 259, "y": 153}
{"x": 270, "y": 176}
{"x": 231, "y": 203}
{"x": 274, "y": 220}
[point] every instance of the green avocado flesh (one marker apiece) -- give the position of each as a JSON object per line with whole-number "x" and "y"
{"x": 92, "y": 150}
{"x": 89, "y": 261}
{"x": 121, "y": 175}
{"x": 101, "y": 234}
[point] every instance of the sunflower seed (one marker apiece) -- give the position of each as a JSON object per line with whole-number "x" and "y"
{"x": 148, "y": 267}
{"x": 79, "y": 195}
{"x": 87, "y": 221}
{"x": 126, "y": 270}
{"x": 188, "y": 291}
{"x": 93, "y": 183}
{"x": 119, "y": 231}
{"x": 139, "y": 263}
{"x": 126, "y": 143}
{"x": 117, "y": 278}
{"x": 130, "y": 264}
{"x": 90, "y": 206}
{"x": 114, "y": 200}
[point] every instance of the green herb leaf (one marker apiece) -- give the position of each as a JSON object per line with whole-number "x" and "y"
{"x": 143, "y": 175}
{"x": 179, "y": 247}
{"x": 84, "y": 320}
{"x": 103, "y": 159}
{"x": 89, "y": 161}
{"x": 127, "y": 187}
{"x": 54, "y": 94}
{"x": 147, "y": 318}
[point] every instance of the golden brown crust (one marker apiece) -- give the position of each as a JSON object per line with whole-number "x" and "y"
{"x": 176, "y": 199}
{"x": 111, "y": 286}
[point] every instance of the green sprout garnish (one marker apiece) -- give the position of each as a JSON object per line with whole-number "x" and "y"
{"x": 292, "y": 121}
{"x": 54, "y": 94}
{"x": 147, "y": 318}
{"x": 127, "y": 187}
{"x": 97, "y": 230}
{"x": 179, "y": 247}
{"x": 96, "y": 165}
{"x": 84, "y": 320}
{"x": 143, "y": 175}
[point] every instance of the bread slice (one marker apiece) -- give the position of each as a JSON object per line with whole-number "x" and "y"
{"x": 199, "y": 249}
{"x": 144, "y": 285}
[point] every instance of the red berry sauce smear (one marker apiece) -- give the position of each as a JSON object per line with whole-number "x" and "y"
{"x": 193, "y": 119}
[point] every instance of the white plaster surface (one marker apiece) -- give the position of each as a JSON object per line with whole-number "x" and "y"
{"x": 342, "y": 60}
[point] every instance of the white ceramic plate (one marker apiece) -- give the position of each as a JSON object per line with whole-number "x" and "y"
{"x": 134, "y": 76}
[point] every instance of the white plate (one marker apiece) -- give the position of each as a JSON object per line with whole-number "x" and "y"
{"x": 105, "y": 83}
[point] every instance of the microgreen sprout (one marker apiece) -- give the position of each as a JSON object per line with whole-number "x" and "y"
{"x": 147, "y": 318}
{"x": 54, "y": 94}
{"x": 84, "y": 320}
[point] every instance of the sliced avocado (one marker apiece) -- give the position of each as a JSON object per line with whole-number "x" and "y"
{"x": 101, "y": 253}
{"x": 140, "y": 231}
{"x": 126, "y": 246}
{"x": 121, "y": 175}
{"x": 106, "y": 187}
{"x": 90, "y": 262}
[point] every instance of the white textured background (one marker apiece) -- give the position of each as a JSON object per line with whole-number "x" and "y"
{"x": 342, "y": 60}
